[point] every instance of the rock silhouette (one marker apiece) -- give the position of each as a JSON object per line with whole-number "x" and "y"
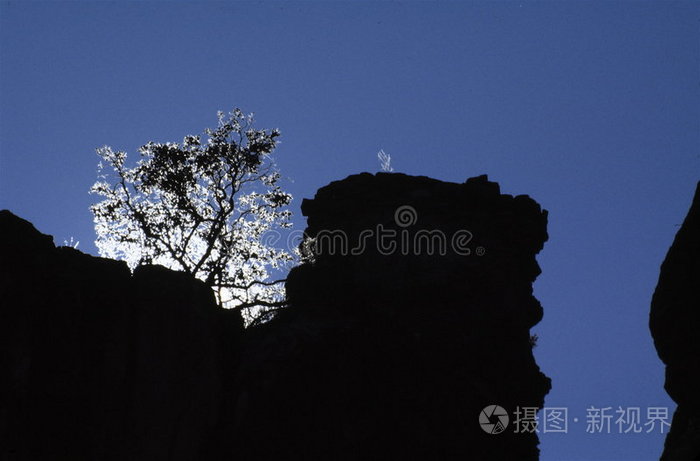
{"x": 100, "y": 364}
{"x": 393, "y": 355}
{"x": 675, "y": 325}
{"x": 411, "y": 315}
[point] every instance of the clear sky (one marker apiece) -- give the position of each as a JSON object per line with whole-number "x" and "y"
{"x": 593, "y": 109}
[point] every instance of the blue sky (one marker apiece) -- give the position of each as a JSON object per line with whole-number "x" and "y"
{"x": 591, "y": 108}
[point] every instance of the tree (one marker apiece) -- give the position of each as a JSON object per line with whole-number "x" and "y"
{"x": 202, "y": 208}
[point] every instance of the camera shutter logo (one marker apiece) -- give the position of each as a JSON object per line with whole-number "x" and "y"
{"x": 493, "y": 419}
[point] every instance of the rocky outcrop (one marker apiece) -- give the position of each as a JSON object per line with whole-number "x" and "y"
{"x": 100, "y": 364}
{"x": 675, "y": 326}
{"x": 391, "y": 345}
{"x": 411, "y": 315}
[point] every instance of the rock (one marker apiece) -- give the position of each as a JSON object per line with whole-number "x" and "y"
{"x": 675, "y": 325}
{"x": 395, "y": 339}
{"x": 100, "y": 364}
{"x": 392, "y": 351}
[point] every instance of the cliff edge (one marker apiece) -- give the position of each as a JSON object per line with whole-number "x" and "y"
{"x": 411, "y": 316}
{"x": 675, "y": 325}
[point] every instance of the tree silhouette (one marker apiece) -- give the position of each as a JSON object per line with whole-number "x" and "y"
{"x": 202, "y": 208}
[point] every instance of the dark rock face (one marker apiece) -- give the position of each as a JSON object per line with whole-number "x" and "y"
{"x": 675, "y": 326}
{"x": 390, "y": 351}
{"x": 393, "y": 354}
{"x": 100, "y": 364}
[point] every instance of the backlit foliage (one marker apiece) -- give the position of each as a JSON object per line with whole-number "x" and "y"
{"x": 202, "y": 207}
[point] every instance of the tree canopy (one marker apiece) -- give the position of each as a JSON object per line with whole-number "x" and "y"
{"x": 202, "y": 207}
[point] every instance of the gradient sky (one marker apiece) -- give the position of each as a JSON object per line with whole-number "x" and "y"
{"x": 592, "y": 109}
